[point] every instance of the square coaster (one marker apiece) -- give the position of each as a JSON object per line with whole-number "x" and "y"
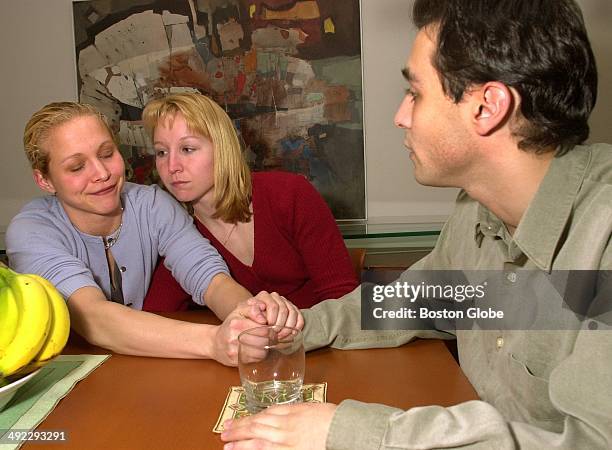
{"x": 235, "y": 402}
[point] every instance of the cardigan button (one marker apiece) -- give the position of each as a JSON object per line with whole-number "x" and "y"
{"x": 499, "y": 343}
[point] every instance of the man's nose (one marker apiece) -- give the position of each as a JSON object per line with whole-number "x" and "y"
{"x": 403, "y": 116}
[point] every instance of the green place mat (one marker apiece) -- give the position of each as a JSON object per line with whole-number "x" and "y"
{"x": 37, "y": 398}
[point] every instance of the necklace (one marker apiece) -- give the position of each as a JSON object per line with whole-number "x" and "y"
{"x": 229, "y": 235}
{"x": 111, "y": 240}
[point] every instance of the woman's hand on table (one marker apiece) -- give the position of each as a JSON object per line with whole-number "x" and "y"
{"x": 301, "y": 426}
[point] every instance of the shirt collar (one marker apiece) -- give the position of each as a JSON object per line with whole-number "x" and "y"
{"x": 487, "y": 225}
{"x": 541, "y": 227}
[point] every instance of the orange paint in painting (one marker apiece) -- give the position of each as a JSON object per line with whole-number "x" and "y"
{"x": 177, "y": 71}
{"x": 250, "y": 61}
{"x": 336, "y": 104}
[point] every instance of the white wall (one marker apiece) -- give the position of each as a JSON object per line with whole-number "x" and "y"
{"x": 37, "y": 68}
{"x": 392, "y": 192}
{"x": 37, "y": 50}
{"x": 598, "y": 17}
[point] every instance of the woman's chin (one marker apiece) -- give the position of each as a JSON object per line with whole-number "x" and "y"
{"x": 182, "y": 197}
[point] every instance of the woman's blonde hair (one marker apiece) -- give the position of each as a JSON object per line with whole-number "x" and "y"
{"x": 232, "y": 177}
{"x": 43, "y": 121}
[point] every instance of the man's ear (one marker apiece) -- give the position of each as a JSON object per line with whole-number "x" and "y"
{"x": 43, "y": 182}
{"x": 493, "y": 106}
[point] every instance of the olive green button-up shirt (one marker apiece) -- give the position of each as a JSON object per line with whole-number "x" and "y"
{"x": 539, "y": 389}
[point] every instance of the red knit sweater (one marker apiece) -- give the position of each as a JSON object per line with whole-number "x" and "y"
{"x": 299, "y": 251}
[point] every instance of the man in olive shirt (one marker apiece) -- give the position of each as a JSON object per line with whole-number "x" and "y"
{"x": 499, "y": 98}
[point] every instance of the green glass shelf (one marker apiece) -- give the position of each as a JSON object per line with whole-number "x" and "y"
{"x": 365, "y": 230}
{"x": 364, "y": 234}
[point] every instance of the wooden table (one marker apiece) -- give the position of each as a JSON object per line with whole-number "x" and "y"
{"x": 153, "y": 403}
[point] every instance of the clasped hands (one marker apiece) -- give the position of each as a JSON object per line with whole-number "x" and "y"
{"x": 263, "y": 309}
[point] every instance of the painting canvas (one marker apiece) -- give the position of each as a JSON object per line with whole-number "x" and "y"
{"x": 288, "y": 72}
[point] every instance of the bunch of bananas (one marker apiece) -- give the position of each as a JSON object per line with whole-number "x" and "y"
{"x": 34, "y": 322}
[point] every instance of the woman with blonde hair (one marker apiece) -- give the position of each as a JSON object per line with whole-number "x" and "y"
{"x": 97, "y": 239}
{"x": 273, "y": 229}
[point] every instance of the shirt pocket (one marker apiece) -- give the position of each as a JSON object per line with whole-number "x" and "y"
{"x": 531, "y": 395}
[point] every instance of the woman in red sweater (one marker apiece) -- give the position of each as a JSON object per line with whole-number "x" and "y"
{"x": 273, "y": 229}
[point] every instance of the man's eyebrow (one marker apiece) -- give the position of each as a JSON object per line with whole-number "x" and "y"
{"x": 409, "y": 76}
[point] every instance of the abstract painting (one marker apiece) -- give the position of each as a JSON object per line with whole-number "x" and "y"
{"x": 288, "y": 72}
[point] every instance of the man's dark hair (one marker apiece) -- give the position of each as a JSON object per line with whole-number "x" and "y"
{"x": 538, "y": 47}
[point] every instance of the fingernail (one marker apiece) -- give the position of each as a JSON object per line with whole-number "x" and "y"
{"x": 229, "y": 446}
{"x": 227, "y": 424}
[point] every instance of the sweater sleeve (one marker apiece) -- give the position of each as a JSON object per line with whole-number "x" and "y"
{"x": 41, "y": 244}
{"x": 190, "y": 257}
{"x": 317, "y": 238}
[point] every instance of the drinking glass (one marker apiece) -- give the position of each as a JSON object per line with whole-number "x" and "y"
{"x": 271, "y": 363}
